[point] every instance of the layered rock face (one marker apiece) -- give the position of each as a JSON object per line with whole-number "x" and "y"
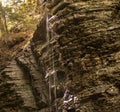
{"x": 78, "y": 46}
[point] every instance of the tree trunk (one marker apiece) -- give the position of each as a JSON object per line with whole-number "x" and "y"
{"x": 3, "y": 20}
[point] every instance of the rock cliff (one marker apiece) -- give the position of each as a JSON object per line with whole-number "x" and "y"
{"x": 77, "y": 45}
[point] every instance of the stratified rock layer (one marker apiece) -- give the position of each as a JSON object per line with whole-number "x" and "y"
{"x": 81, "y": 46}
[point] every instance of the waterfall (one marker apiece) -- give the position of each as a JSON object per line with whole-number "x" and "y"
{"x": 51, "y": 72}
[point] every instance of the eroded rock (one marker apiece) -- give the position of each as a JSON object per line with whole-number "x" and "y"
{"x": 82, "y": 51}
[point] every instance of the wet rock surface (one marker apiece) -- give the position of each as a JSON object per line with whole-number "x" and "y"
{"x": 82, "y": 50}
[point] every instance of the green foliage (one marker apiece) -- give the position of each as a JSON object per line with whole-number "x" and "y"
{"x": 16, "y": 17}
{"x": 21, "y": 15}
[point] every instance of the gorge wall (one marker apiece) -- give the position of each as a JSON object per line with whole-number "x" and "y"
{"x": 80, "y": 47}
